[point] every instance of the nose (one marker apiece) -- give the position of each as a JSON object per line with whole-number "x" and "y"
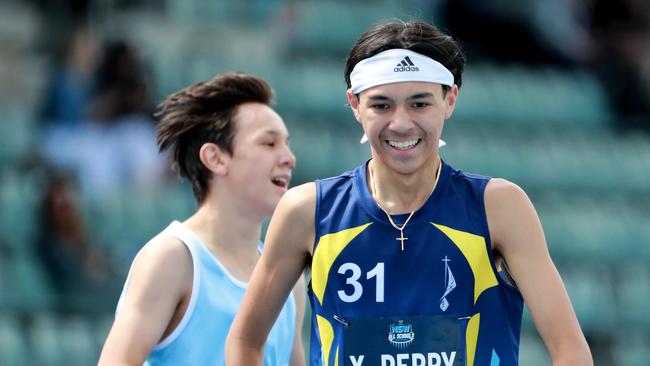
{"x": 288, "y": 158}
{"x": 401, "y": 121}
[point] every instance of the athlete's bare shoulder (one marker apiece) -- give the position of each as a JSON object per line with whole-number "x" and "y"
{"x": 165, "y": 249}
{"x": 151, "y": 269}
{"x": 501, "y": 196}
{"x": 510, "y": 214}
{"x": 499, "y": 187}
{"x": 294, "y": 217}
{"x": 299, "y": 203}
{"x": 300, "y": 196}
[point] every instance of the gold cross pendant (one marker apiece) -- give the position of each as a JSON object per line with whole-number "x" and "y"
{"x": 401, "y": 238}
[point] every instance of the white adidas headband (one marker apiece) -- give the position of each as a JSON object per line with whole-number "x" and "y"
{"x": 396, "y": 66}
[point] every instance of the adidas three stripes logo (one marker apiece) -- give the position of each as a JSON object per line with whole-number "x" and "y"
{"x": 406, "y": 65}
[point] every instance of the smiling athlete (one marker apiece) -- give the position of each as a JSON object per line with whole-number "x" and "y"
{"x": 412, "y": 261}
{"x": 185, "y": 285}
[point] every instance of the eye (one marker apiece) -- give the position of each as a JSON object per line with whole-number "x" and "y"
{"x": 380, "y": 106}
{"x": 418, "y": 105}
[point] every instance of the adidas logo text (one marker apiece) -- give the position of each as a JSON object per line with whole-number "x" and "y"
{"x": 406, "y": 68}
{"x": 406, "y": 65}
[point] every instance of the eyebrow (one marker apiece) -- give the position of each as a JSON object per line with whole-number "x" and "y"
{"x": 420, "y": 96}
{"x": 415, "y": 96}
{"x": 378, "y": 97}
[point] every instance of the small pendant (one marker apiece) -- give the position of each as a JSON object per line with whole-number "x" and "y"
{"x": 401, "y": 238}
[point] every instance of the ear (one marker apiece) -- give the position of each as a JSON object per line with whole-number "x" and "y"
{"x": 214, "y": 158}
{"x": 353, "y": 101}
{"x": 450, "y": 100}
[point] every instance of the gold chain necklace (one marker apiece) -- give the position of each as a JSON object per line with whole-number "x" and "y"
{"x": 373, "y": 191}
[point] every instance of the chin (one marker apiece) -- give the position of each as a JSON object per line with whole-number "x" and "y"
{"x": 270, "y": 205}
{"x": 405, "y": 167}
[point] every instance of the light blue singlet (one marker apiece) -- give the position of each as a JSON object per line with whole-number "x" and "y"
{"x": 200, "y": 337}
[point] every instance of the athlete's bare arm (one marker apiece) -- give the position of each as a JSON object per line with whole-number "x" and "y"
{"x": 517, "y": 234}
{"x": 150, "y": 309}
{"x": 287, "y": 248}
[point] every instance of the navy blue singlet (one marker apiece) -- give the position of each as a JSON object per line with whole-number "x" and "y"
{"x": 359, "y": 272}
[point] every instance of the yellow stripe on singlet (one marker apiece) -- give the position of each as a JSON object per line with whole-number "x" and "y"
{"x": 471, "y": 338}
{"x": 327, "y": 250}
{"x": 475, "y": 251}
{"x": 336, "y": 359}
{"x": 326, "y": 332}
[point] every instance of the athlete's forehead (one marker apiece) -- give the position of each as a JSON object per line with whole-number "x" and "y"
{"x": 258, "y": 119}
{"x": 403, "y": 91}
{"x": 415, "y": 96}
{"x": 274, "y": 133}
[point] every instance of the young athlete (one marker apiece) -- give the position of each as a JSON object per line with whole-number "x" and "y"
{"x": 186, "y": 284}
{"x": 407, "y": 254}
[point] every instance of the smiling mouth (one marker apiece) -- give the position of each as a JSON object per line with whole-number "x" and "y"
{"x": 280, "y": 182}
{"x": 403, "y": 145}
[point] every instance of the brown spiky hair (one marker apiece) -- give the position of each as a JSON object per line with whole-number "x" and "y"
{"x": 201, "y": 113}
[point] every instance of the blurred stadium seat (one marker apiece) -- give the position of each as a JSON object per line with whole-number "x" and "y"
{"x": 13, "y": 347}
{"x": 530, "y": 97}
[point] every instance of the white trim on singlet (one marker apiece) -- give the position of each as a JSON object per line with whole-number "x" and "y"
{"x": 195, "y": 239}
{"x": 181, "y": 232}
{"x": 191, "y": 242}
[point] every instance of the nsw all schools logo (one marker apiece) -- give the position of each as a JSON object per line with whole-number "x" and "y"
{"x": 401, "y": 335}
{"x": 406, "y": 65}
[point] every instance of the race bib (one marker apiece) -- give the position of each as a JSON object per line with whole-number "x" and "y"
{"x": 405, "y": 341}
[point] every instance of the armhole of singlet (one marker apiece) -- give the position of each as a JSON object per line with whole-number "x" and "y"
{"x": 504, "y": 274}
{"x": 496, "y": 259}
{"x": 196, "y": 276}
{"x": 127, "y": 282}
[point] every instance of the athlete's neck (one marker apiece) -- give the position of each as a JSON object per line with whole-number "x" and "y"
{"x": 231, "y": 239}
{"x": 401, "y": 193}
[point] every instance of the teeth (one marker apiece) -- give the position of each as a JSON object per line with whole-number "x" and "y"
{"x": 403, "y": 144}
{"x": 280, "y": 181}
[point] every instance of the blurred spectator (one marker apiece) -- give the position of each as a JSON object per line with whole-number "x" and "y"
{"x": 67, "y": 95}
{"x": 553, "y": 32}
{"x": 59, "y": 19}
{"x": 115, "y": 148}
{"x": 77, "y": 269}
{"x": 622, "y": 31}
{"x": 284, "y": 26}
{"x": 607, "y": 37}
{"x": 121, "y": 88}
